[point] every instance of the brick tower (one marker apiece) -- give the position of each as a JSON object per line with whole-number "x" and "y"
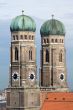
{"x": 54, "y": 92}
{"x": 23, "y": 92}
{"x": 53, "y": 64}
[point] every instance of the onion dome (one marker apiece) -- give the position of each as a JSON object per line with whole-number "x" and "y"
{"x": 22, "y": 23}
{"x": 52, "y": 27}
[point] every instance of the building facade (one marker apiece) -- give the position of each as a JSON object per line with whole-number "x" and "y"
{"x": 53, "y": 59}
{"x": 23, "y": 92}
{"x": 54, "y": 92}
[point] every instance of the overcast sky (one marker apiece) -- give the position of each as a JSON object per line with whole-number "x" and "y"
{"x": 42, "y": 9}
{"x": 39, "y": 8}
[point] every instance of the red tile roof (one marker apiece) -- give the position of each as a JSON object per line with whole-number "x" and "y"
{"x": 58, "y": 101}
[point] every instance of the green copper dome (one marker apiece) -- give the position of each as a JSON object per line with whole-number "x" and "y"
{"x": 52, "y": 27}
{"x": 23, "y": 23}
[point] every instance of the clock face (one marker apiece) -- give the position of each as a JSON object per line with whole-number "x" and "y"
{"x": 15, "y": 76}
{"x": 62, "y": 76}
{"x": 31, "y": 75}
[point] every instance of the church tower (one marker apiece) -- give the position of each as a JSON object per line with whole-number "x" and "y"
{"x": 53, "y": 60}
{"x": 23, "y": 92}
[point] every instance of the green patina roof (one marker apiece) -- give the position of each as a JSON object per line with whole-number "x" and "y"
{"x": 23, "y": 23}
{"x": 52, "y": 27}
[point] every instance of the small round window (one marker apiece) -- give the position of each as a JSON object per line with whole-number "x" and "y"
{"x": 31, "y": 76}
{"x": 61, "y": 76}
{"x": 15, "y": 76}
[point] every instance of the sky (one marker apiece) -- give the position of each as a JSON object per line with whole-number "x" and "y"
{"x": 38, "y": 8}
{"x": 41, "y": 9}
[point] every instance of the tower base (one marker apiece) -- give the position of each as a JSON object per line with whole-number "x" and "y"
{"x": 19, "y": 98}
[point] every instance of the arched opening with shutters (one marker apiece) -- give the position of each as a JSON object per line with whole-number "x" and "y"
{"x": 47, "y": 56}
{"x": 16, "y": 53}
{"x": 47, "y": 40}
{"x": 60, "y": 56}
{"x": 44, "y": 40}
{"x": 30, "y": 54}
{"x": 56, "y": 40}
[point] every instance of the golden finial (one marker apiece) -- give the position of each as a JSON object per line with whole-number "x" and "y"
{"x": 22, "y": 12}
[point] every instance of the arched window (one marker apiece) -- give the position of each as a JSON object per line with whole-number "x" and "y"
{"x": 32, "y": 37}
{"x": 52, "y": 40}
{"x": 47, "y": 56}
{"x": 62, "y": 40}
{"x": 30, "y": 54}
{"x": 29, "y": 36}
{"x": 25, "y": 36}
{"x": 21, "y": 37}
{"x": 60, "y": 57}
{"x": 16, "y": 37}
{"x": 44, "y": 40}
{"x": 16, "y": 53}
{"x": 47, "y": 40}
{"x": 13, "y": 37}
{"x": 56, "y": 40}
